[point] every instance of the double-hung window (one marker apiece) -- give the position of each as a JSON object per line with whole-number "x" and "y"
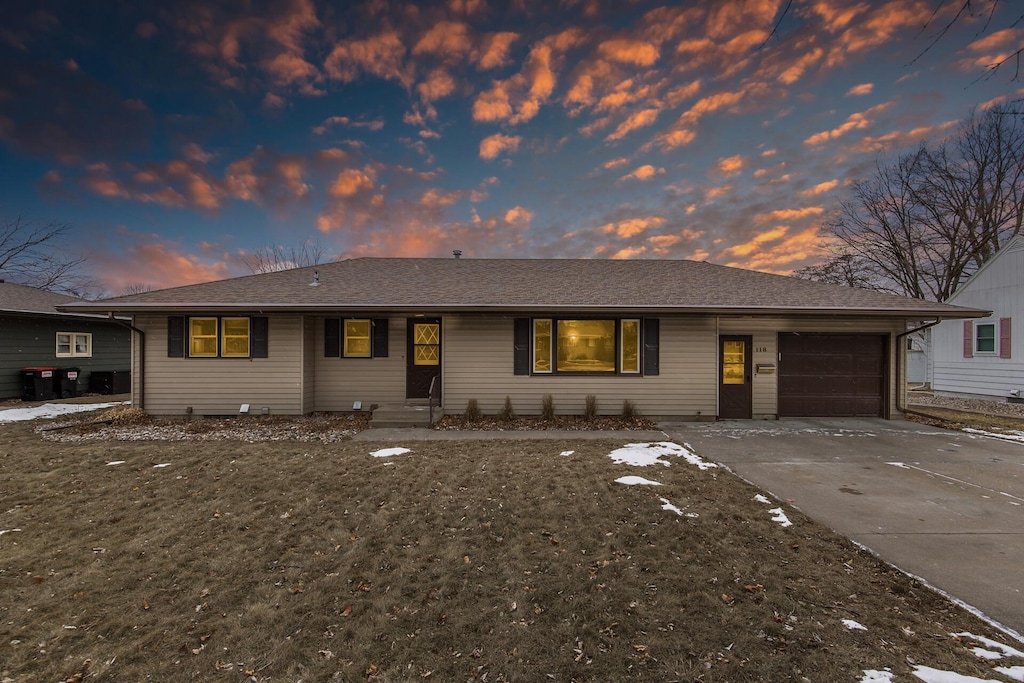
{"x": 985, "y": 338}
{"x": 217, "y": 337}
{"x": 74, "y": 345}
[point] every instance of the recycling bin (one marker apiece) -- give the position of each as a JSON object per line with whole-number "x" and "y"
{"x": 37, "y": 384}
{"x": 110, "y": 382}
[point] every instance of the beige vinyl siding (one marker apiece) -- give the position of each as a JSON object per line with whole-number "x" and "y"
{"x": 478, "y": 363}
{"x": 308, "y": 364}
{"x": 765, "y": 333}
{"x": 342, "y": 381}
{"x": 218, "y": 386}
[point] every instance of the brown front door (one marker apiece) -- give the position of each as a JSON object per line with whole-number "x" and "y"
{"x": 734, "y": 370}
{"x": 423, "y": 357}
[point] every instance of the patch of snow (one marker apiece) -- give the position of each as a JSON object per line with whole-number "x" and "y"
{"x": 853, "y": 625}
{"x": 982, "y": 653}
{"x": 901, "y": 465}
{"x": 761, "y": 499}
{"x": 875, "y": 676}
{"x": 566, "y": 453}
{"x": 115, "y": 462}
{"x": 780, "y": 517}
{"x": 1015, "y": 673}
{"x": 1006, "y": 650}
{"x": 666, "y": 505}
{"x": 930, "y": 675}
{"x": 7, "y": 531}
{"x": 1011, "y": 435}
{"x": 48, "y": 411}
{"x": 644, "y": 454}
{"x": 637, "y": 481}
{"x": 388, "y": 452}
{"x": 161, "y": 465}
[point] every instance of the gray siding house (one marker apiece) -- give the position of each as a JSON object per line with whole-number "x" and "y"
{"x": 680, "y": 339}
{"x": 33, "y": 333}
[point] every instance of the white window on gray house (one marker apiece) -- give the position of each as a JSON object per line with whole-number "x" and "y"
{"x": 74, "y": 345}
{"x": 985, "y": 338}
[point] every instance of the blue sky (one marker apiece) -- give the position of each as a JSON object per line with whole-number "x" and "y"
{"x": 175, "y": 140}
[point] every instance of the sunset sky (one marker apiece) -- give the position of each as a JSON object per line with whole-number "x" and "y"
{"x": 173, "y": 141}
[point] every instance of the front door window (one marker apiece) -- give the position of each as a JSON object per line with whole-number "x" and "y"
{"x": 426, "y": 344}
{"x": 734, "y": 362}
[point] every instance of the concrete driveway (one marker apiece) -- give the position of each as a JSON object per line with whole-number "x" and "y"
{"x": 944, "y": 505}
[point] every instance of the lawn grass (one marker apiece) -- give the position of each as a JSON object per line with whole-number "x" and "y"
{"x": 458, "y": 561}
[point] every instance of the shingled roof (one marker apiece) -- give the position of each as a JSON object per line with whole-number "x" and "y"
{"x": 527, "y": 285}
{"x": 23, "y": 299}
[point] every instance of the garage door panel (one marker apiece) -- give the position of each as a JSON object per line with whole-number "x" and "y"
{"x": 831, "y": 375}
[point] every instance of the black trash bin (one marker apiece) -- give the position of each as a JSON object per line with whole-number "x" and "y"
{"x": 110, "y": 381}
{"x": 37, "y": 384}
{"x": 65, "y": 382}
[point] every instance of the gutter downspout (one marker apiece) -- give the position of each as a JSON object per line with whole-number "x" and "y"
{"x": 902, "y": 354}
{"x": 142, "y": 357}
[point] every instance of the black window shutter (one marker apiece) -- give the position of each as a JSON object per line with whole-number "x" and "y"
{"x": 379, "y": 334}
{"x": 332, "y": 337}
{"x": 521, "y": 346}
{"x": 260, "y": 347}
{"x": 652, "y": 364}
{"x": 175, "y": 336}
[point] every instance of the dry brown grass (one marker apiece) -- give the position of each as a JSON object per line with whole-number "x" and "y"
{"x": 496, "y": 561}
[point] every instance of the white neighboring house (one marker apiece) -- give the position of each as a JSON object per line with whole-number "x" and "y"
{"x": 979, "y": 357}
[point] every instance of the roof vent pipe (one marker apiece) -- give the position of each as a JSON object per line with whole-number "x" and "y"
{"x": 316, "y": 279}
{"x": 457, "y": 253}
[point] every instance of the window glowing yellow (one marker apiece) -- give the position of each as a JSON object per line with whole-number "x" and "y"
{"x": 542, "y": 346}
{"x": 426, "y": 339}
{"x": 357, "y": 338}
{"x": 202, "y": 337}
{"x": 586, "y": 346}
{"x": 235, "y": 337}
{"x": 630, "y": 362}
{"x": 734, "y": 362}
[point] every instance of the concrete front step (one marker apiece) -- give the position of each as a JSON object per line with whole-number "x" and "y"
{"x": 403, "y": 416}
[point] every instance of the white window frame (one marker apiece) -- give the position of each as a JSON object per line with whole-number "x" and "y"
{"x": 73, "y": 339}
{"x": 994, "y": 351}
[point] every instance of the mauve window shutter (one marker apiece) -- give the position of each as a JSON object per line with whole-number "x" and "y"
{"x": 521, "y": 346}
{"x": 260, "y": 337}
{"x": 968, "y": 339}
{"x": 332, "y": 337}
{"x": 1004, "y": 337}
{"x": 176, "y": 336}
{"x": 652, "y": 347}
{"x": 379, "y": 333}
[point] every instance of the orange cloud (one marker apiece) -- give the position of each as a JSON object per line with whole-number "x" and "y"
{"x": 639, "y": 119}
{"x": 993, "y": 49}
{"x": 645, "y": 172}
{"x": 148, "y": 260}
{"x": 519, "y": 216}
{"x": 730, "y": 166}
{"x": 495, "y": 50}
{"x": 632, "y": 52}
{"x": 855, "y": 121}
{"x": 632, "y": 227}
{"x": 862, "y": 89}
{"x": 446, "y": 39}
{"x": 381, "y": 55}
{"x": 351, "y": 182}
{"x": 820, "y": 188}
{"x": 494, "y": 145}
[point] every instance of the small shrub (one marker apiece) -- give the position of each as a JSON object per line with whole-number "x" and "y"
{"x": 590, "y": 411}
{"x": 547, "y": 407}
{"x": 628, "y": 410}
{"x": 473, "y": 413}
{"x": 507, "y": 414}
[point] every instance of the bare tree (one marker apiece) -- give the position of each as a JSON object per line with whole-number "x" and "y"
{"x": 922, "y": 225}
{"x": 136, "y": 288}
{"x": 31, "y": 254}
{"x": 842, "y": 269}
{"x": 271, "y": 259}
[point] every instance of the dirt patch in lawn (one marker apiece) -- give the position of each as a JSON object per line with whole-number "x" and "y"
{"x": 950, "y": 418}
{"x": 225, "y": 560}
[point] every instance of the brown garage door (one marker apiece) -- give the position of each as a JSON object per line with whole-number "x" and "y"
{"x": 831, "y": 375}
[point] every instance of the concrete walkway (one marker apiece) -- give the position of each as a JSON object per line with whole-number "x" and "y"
{"x": 944, "y": 505}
